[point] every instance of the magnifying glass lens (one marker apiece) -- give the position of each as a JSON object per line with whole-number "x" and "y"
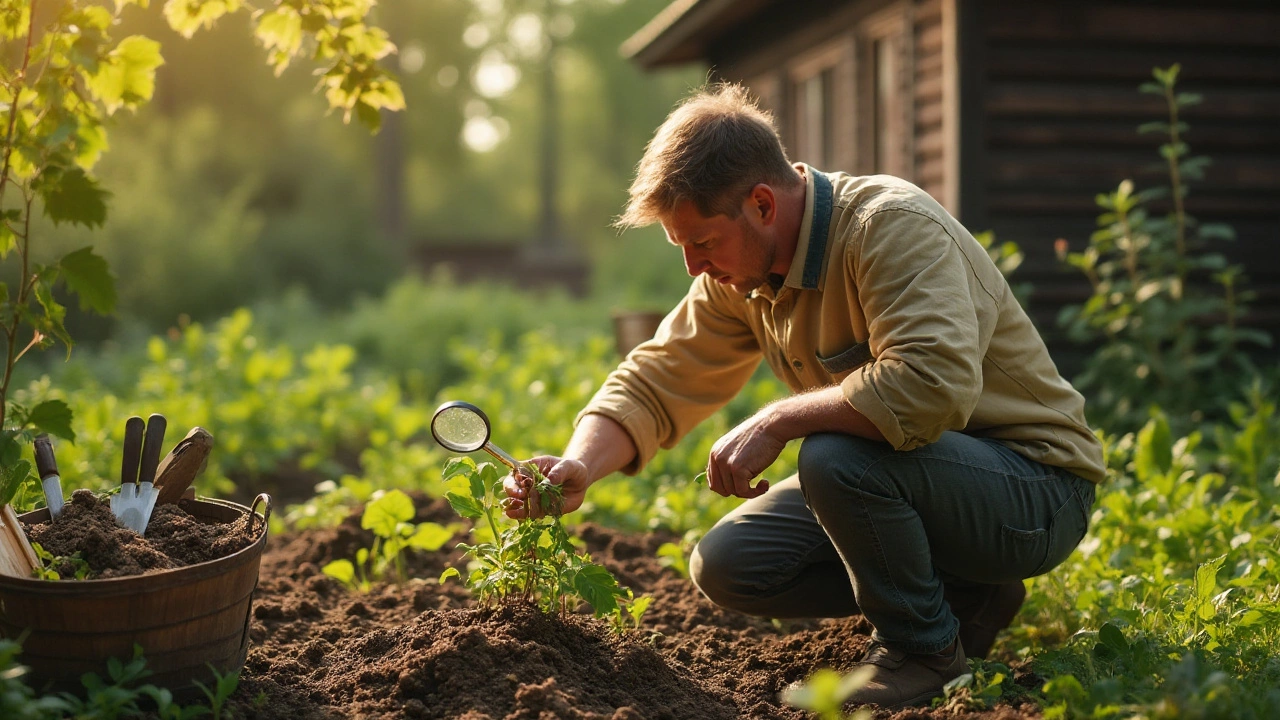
{"x": 460, "y": 429}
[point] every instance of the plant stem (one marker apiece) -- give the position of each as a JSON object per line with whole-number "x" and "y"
{"x": 1175, "y": 181}
{"x": 15, "y": 93}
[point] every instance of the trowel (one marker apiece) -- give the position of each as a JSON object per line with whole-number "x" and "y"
{"x": 137, "y": 497}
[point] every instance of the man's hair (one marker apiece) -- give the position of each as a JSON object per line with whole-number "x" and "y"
{"x": 711, "y": 150}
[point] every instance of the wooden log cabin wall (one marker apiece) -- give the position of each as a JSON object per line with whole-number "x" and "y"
{"x": 1014, "y": 114}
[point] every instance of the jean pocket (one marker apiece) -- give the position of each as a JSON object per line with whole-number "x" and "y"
{"x": 1024, "y": 550}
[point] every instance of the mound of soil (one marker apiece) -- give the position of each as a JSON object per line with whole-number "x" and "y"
{"x": 424, "y": 650}
{"x": 173, "y": 539}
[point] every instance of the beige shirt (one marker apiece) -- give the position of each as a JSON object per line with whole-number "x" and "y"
{"x": 891, "y": 298}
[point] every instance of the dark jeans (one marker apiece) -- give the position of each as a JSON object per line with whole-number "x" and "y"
{"x": 864, "y": 528}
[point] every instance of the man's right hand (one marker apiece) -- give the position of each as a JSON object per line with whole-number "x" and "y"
{"x": 570, "y": 475}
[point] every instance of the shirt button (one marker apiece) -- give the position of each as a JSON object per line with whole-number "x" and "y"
{"x": 799, "y": 366}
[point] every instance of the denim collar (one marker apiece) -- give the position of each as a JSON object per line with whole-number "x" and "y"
{"x": 810, "y": 259}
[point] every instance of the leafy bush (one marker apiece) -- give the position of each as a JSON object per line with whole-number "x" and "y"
{"x": 1166, "y": 340}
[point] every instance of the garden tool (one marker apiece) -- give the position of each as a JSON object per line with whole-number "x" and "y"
{"x": 179, "y": 468}
{"x": 137, "y": 497}
{"x": 47, "y": 467}
{"x": 17, "y": 558}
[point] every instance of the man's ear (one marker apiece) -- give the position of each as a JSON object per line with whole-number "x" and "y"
{"x": 763, "y": 204}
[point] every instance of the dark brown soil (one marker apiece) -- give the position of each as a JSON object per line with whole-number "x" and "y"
{"x": 423, "y": 650}
{"x": 173, "y": 539}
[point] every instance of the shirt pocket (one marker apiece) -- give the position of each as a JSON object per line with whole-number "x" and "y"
{"x": 845, "y": 361}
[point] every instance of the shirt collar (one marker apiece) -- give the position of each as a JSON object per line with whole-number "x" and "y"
{"x": 808, "y": 265}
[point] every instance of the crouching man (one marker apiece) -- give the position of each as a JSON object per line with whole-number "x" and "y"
{"x": 943, "y": 457}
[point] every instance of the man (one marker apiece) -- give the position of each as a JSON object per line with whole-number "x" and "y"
{"x": 944, "y": 459}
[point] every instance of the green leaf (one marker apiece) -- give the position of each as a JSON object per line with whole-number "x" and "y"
{"x": 11, "y": 478}
{"x": 429, "y": 536}
{"x": 281, "y": 29}
{"x": 382, "y": 515}
{"x": 598, "y": 587}
{"x": 88, "y": 276}
{"x": 72, "y": 196}
{"x": 187, "y": 16}
{"x": 54, "y": 313}
{"x": 341, "y": 570}
{"x": 128, "y": 77}
{"x": 1207, "y": 585}
{"x": 449, "y": 573}
{"x": 1112, "y": 637}
{"x": 456, "y": 466}
{"x": 465, "y": 506}
{"x": 53, "y": 417}
{"x": 1154, "y": 455}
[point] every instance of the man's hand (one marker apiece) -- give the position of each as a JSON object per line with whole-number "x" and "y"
{"x": 741, "y": 455}
{"x": 570, "y": 475}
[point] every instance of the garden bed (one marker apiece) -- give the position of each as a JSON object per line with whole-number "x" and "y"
{"x": 424, "y": 650}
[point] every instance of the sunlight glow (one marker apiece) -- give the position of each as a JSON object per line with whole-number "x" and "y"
{"x": 494, "y": 76}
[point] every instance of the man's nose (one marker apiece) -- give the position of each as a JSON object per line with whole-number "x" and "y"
{"x": 694, "y": 265}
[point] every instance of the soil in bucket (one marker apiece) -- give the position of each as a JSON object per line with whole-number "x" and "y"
{"x": 183, "y": 593}
{"x": 89, "y": 531}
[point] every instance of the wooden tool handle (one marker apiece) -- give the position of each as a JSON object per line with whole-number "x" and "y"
{"x": 133, "y": 428}
{"x": 151, "y": 446}
{"x": 180, "y": 467}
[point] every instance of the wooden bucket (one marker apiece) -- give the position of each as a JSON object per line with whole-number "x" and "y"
{"x": 185, "y": 619}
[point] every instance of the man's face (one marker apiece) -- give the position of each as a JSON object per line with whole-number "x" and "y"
{"x": 733, "y": 251}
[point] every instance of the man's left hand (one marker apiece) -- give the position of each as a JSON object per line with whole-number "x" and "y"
{"x": 741, "y": 455}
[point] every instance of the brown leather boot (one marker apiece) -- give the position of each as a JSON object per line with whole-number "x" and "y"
{"x": 983, "y": 611}
{"x": 905, "y": 679}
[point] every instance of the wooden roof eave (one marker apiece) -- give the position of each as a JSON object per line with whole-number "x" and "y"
{"x": 683, "y": 31}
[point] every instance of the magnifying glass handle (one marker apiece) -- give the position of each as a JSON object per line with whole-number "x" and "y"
{"x": 502, "y": 456}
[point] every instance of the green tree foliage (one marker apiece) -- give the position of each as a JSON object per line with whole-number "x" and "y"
{"x": 63, "y": 78}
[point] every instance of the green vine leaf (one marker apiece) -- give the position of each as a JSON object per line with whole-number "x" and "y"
{"x": 127, "y": 77}
{"x": 88, "y": 276}
{"x": 11, "y": 478}
{"x": 53, "y": 417}
{"x": 70, "y": 195}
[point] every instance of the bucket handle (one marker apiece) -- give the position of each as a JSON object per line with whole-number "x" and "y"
{"x": 265, "y": 499}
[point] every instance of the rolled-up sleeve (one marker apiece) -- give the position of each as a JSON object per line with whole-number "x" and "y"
{"x": 702, "y": 355}
{"x": 929, "y": 321}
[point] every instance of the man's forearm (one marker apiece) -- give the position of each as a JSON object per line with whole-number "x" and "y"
{"x": 822, "y": 410}
{"x": 602, "y": 445}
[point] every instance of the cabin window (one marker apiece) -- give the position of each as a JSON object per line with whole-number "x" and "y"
{"x": 819, "y": 122}
{"x": 885, "y": 117}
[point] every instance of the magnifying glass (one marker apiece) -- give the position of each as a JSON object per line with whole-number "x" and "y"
{"x": 462, "y": 427}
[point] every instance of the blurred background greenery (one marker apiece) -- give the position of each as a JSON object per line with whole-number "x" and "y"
{"x": 235, "y": 188}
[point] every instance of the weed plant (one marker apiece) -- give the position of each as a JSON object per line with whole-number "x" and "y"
{"x": 390, "y": 519}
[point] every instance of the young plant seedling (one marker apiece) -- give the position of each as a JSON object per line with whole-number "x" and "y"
{"x": 390, "y": 517}
{"x": 533, "y": 560}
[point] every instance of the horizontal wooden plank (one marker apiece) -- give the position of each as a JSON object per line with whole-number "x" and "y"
{"x": 1250, "y": 176}
{"x": 931, "y": 169}
{"x": 1202, "y": 67}
{"x": 1069, "y": 100}
{"x": 1205, "y": 136}
{"x": 930, "y": 144}
{"x": 929, "y": 38}
{"x": 928, "y": 11}
{"x": 1014, "y": 201}
{"x": 929, "y": 89}
{"x": 1214, "y": 24}
{"x": 929, "y": 114}
{"x": 928, "y": 64}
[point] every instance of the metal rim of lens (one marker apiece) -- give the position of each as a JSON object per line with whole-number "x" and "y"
{"x": 462, "y": 404}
